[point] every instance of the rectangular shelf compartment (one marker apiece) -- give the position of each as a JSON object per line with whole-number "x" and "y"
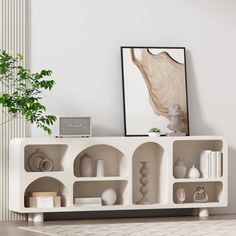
{"x": 189, "y": 151}
{"x": 95, "y": 189}
{"x": 213, "y": 189}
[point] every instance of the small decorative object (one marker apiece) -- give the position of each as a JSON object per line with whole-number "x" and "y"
{"x": 100, "y": 168}
{"x": 144, "y": 182}
{"x": 176, "y": 117}
{"x": 200, "y": 195}
{"x": 86, "y": 166}
{"x": 39, "y": 161}
{"x": 180, "y": 195}
{"x": 194, "y": 173}
{"x": 160, "y": 73}
{"x": 179, "y": 169}
{"x": 109, "y": 197}
{"x": 72, "y": 126}
{"x": 154, "y": 132}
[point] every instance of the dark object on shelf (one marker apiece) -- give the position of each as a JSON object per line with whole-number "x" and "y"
{"x": 39, "y": 161}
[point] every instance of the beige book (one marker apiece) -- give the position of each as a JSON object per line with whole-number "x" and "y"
{"x": 32, "y": 201}
{"x": 42, "y": 194}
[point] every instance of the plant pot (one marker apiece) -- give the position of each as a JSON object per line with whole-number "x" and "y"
{"x": 154, "y": 134}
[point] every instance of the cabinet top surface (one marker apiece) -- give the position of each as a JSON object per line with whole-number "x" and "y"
{"x": 112, "y": 138}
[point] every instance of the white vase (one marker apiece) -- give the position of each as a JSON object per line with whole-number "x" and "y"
{"x": 194, "y": 173}
{"x": 86, "y": 166}
{"x": 100, "y": 168}
{"x": 180, "y": 195}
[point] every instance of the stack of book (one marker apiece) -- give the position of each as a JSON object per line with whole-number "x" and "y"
{"x": 43, "y": 200}
{"x": 88, "y": 201}
{"x": 211, "y": 164}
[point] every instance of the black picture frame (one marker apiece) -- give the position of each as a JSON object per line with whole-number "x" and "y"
{"x": 127, "y": 132}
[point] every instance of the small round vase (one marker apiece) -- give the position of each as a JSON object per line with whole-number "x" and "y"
{"x": 109, "y": 197}
{"x": 179, "y": 169}
{"x": 86, "y": 166}
{"x": 180, "y": 195}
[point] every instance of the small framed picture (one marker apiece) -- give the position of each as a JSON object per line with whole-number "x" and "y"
{"x": 154, "y": 90}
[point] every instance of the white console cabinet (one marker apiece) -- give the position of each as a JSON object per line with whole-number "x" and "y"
{"x": 122, "y": 157}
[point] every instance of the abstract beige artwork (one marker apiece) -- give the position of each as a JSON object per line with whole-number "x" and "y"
{"x": 163, "y": 75}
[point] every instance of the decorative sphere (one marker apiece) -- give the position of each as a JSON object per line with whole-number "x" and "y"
{"x": 144, "y": 189}
{"x": 109, "y": 197}
{"x": 144, "y": 171}
{"x": 144, "y": 180}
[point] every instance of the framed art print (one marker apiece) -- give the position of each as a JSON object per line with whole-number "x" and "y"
{"x": 154, "y": 85}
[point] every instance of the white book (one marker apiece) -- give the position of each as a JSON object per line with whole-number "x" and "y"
{"x": 209, "y": 174}
{"x": 204, "y": 163}
{"x": 88, "y": 204}
{"x": 218, "y": 164}
{"x": 88, "y": 200}
{"x": 214, "y": 168}
{"x": 44, "y": 202}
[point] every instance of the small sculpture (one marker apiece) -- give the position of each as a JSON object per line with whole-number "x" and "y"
{"x": 176, "y": 117}
{"x": 193, "y": 173}
{"x": 109, "y": 197}
{"x": 200, "y": 195}
{"x": 144, "y": 181}
{"x": 180, "y": 195}
{"x": 179, "y": 169}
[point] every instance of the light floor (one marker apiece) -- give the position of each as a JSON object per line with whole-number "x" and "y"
{"x": 11, "y": 228}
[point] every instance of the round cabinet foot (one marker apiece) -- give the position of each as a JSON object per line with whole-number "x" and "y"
{"x": 38, "y": 217}
{"x": 30, "y": 217}
{"x": 203, "y": 212}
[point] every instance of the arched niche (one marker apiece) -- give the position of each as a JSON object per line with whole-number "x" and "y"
{"x": 46, "y": 184}
{"x": 115, "y": 162}
{"x": 156, "y": 157}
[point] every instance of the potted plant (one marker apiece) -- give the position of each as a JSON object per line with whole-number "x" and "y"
{"x": 22, "y": 92}
{"x": 154, "y": 132}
